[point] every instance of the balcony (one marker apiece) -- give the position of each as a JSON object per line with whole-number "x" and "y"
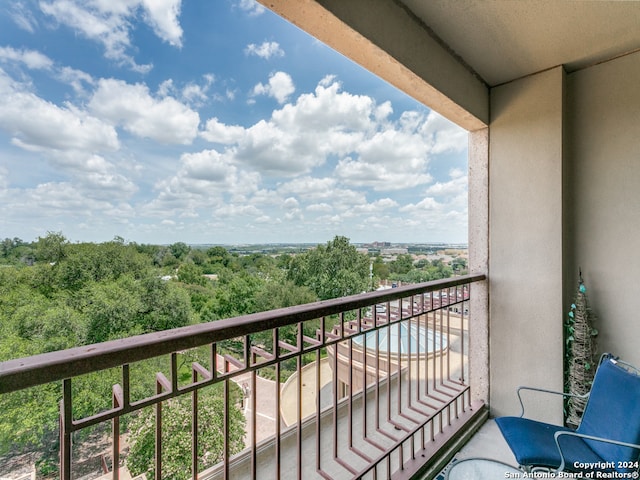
{"x": 369, "y": 386}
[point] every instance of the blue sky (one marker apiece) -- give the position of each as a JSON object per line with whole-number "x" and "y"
{"x": 210, "y": 122}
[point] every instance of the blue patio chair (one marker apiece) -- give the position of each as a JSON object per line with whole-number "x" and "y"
{"x": 607, "y": 440}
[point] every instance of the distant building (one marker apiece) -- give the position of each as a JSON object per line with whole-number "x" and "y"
{"x": 394, "y": 251}
{"x": 380, "y": 244}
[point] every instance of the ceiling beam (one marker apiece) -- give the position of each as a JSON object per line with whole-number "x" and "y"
{"x": 386, "y": 39}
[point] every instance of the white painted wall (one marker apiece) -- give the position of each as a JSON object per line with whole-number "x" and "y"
{"x": 564, "y": 194}
{"x": 603, "y": 210}
{"x": 525, "y": 241}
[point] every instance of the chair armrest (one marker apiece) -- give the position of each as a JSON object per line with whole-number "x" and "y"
{"x": 557, "y": 435}
{"x": 553, "y": 392}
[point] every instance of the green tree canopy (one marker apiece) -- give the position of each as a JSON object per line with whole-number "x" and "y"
{"x": 179, "y": 250}
{"x": 402, "y": 265}
{"x": 52, "y": 247}
{"x": 332, "y": 270}
{"x": 235, "y": 295}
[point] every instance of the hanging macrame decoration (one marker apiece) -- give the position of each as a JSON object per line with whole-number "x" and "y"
{"x": 581, "y": 357}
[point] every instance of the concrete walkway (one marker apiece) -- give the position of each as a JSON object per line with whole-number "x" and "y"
{"x": 266, "y": 414}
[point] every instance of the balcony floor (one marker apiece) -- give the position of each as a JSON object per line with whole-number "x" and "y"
{"x": 486, "y": 443}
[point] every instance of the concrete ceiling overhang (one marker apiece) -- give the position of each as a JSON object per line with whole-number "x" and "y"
{"x": 502, "y": 40}
{"x": 448, "y": 54}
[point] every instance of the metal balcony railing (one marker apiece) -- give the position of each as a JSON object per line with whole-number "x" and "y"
{"x": 365, "y": 386}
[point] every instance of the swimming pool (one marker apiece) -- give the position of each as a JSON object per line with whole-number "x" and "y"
{"x": 404, "y": 338}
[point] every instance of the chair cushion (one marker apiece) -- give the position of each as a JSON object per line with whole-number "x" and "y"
{"x": 613, "y": 411}
{"x": 532, "y": 443}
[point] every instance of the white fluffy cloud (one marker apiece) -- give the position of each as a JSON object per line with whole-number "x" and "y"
{"x": 65, "y": 201}
{"x": 22, "y": 16}
{"x": 444, "y": 206}
{"x": 280, "y": 87}
{"x": 4, "y": 182}
{"x": 78, "y": 79}
{"x": 38, "y": 125}
{"x": 163, "y": 15}
{"x": 109, "y": 23}
{"x": 443, "y": 136}
{"x": 374, "y": 152}
{"x": 193, "y": 93}
{"x": 251, "y": 7}
{"x": 386, "y": 161}
{"x": 30, "y": 58}
{"x": 217, "y": 132}
{"x": 265, "y": 173}
{"x": 455, "y": 187}
{"x": 202, "y": 181}
{"x": 309, "y": 188}
{"x": 302, "y": 135}
{"x": 94, "y": 154}
{"x": 164, "y": 120}
{"x": 265, "y": 50}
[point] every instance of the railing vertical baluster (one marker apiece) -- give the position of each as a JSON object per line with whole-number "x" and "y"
{"x": 425, "y": 382}
{"x": 126, "y": 386}
{"x": 350, "y": 399}
{"x": 462, "y": 317}
{"x": 413, "y": 447}
{"x": 365, "y": 349}
{"x": 299, "y": 403}
{"x": 363, "y": 354}
{"x": 213, "y": 360}
{"x": 254, "y": 419}
{"x": 388, "y": 465}
{"x": 194, "y": 427}
{"x": 441, "y": 330}
{"x": 388, "y": 330}
{"x": 419, "y": 329}
{"x": 322, "y": 338}
{"x": 399, "y": 390}
{"x": 448, "y": 337}
{"x": 158, "y": 449}
{"x": 336, "y": 346}
{"x": 410, "y": 360}
{"x": 66, "y": 418}
{"x": 276, "y": 348}
{"x": 117, "y": 402}
{"x": 421, "y": 321}
{"x": 174, "y": 372}
{"x": 432, "y": 433}
{"x": 377, "y": 384}
{"x": 435, "y": 329}
{"x": 247, "y": 351}
{"x": 225, "y": 425}
{"x": 318, "y": 416}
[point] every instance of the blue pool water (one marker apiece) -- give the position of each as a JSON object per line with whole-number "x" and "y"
{"x": 407, "y": 339}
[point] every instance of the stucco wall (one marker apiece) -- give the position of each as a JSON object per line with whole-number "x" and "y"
{"x": 525, "y": 242}
{"x": 604, "y": 202}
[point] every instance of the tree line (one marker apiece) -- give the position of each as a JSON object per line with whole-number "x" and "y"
{"x": 55, "y": 294}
